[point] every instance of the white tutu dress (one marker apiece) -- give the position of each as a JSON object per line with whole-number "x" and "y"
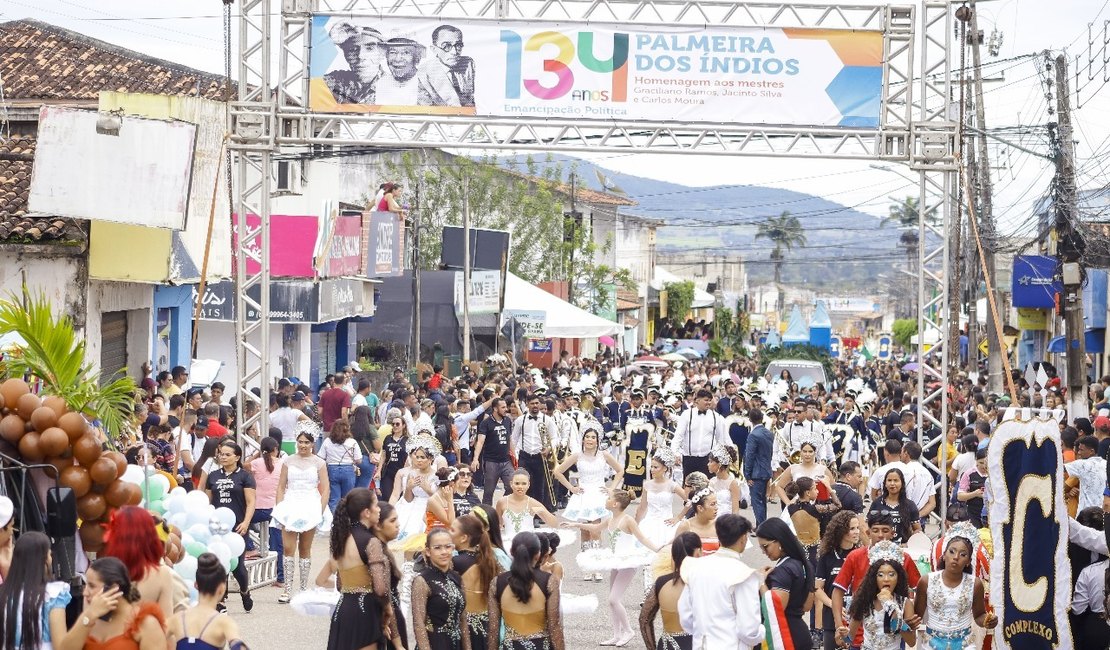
{"x": 411, "y": 515}
{"x": 619, "y": 550}
{"x": 590, "y": 504}
{"x": 659, "y": 510}
{"x": 299, "y": 510}
{"x": 513, "y": 523}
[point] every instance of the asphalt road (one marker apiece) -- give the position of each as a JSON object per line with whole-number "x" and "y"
{"x": 273, "y": 625}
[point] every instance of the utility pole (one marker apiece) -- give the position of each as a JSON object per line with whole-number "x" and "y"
{"x": 1070, "y": 249}
{"x": 416, "y": 279}
{"x": 574, "y": 217}
{"x": 954, "y": 233}
{"x": 466, "y": 269}
{"x": 986, "y": 210}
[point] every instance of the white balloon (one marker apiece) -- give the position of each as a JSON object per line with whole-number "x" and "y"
{"x": 199, "y": 532}
{"x": 175, "y": 503}
{"x": 196, "y": 499}
{"x": 162, "y": 481}
{"x": 179, "y": 519}
{"x": 226, "y": 516}
{"x": 187, "y": 569}
{"x": 236, "y": 543}
{"x": 134, "y": 474}
{"x": 197, "y": 516}
{"x": 178, "y": 491}
{"x": 221, "y": 551}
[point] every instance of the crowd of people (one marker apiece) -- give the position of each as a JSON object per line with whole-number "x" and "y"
{"x": 651, "y": 471}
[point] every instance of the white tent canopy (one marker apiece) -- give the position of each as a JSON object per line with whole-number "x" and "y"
{"x": 663, "y": 277}
{"x": 564, "y": 320}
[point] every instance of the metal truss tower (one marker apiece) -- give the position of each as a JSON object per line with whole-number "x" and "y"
{"x": 271, "y": 116}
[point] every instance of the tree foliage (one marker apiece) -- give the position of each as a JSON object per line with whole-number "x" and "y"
{"x": 680, "y": 299}
{"x": 903, "y": 331}
{"x": 803, "y": 351}
{"x": 730, "y": 333}
{"x": 54, "y": 353}
{"x": 786, "y": 233}
{"x": 528, "y": 200}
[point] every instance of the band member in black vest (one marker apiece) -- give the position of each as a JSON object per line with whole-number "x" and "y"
{"x": 638, "y": 424}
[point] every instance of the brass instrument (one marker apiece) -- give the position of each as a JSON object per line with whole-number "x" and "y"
{"x": 547, "y": 450}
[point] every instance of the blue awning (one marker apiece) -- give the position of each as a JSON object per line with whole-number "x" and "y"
{"x": 1093, "y": 338}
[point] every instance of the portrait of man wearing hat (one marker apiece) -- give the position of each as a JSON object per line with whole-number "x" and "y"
{"x": 362, "y": 50}
{"x": 448, "y": 79}
{"x": 403, "y": 57}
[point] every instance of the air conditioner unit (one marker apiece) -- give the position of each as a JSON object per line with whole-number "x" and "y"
{"x": 289, "y": 178}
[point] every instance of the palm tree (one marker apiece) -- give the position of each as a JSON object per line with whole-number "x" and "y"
{"x": 786, "y": 233}
{"x": 904, "y": 214}
{"x": 54, "y": 353}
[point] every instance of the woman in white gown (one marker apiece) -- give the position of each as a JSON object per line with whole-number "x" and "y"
{"x": 587, "y": 500}
{"x": 655, "y": 513}
{"x": 412, "y": 488}
{"x": 302, "y": 500}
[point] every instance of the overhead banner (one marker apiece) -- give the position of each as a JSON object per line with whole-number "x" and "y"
{"x": 1030, "y": 587}
{"x": 807, "y": 77}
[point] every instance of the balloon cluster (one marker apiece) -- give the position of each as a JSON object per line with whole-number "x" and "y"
{"x": 204, "y": 529}
{"x": 44, "y": 430}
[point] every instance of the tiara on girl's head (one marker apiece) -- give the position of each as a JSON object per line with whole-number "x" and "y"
{"x": 666, "y": 456}
{"x": 811, "y": 438}
{"x": 721, "y": 455}
{"x": 962, "y": 529}
{"x": 424, "y": 441}
{"x": 452, "y": 474}
{"x": 885, "y": 551}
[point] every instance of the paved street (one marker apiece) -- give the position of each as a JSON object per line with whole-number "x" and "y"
{"x": 271, "y": 623}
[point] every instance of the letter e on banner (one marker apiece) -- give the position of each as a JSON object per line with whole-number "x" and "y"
{"x": 1030, "y": 586}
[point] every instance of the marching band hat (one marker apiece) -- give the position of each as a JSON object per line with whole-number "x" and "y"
{"x": 636, "y": 392}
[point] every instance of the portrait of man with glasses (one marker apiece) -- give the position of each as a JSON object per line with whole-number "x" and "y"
{"x": 448, "y": 78}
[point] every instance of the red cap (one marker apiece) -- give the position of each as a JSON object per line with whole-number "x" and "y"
{"x": 1102, "y": 423}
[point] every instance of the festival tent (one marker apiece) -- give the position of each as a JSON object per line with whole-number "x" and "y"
{"x": 796, "y": 331}
{"x": 820, "y": 327}
{"x": 564, "y": 320}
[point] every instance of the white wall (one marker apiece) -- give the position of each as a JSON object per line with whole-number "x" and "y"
{"x": 137, "y": 300}
{"x": 216, "y": 340}
{"x": 321, "y": 183}
{"x": 56, "y": 278}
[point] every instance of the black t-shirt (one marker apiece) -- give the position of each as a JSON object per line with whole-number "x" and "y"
{"x": 902, "y": 529}
{"x": 1104, "y": 449}
{"x": 394, "y": 455}
{"x": 828, "y": 567}
{"x": 849, "y": 498}
{"x": 464, "y": 503}
{"x": 891, "y": 422}
{"x": 227, "y": 490}
{"x": 790, "y": 576}
{"x": 496, "y": 446}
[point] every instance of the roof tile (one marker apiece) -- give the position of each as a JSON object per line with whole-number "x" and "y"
{"x": 41, "y": 63}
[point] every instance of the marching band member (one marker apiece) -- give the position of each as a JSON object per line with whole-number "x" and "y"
{"x": 698, "y": 431}
{"x": 638, "y": 424}
{"x": 849, "y": 438}
{"x": 532, "y": 437}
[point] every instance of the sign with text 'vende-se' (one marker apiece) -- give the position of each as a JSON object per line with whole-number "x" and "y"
{"x": 624, "y": 72}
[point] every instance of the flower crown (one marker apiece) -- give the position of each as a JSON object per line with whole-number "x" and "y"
{"x": 885, "y": 551}
{"x": 700, "y": 495}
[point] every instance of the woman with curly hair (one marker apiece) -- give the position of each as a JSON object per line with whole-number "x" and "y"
{"x": 841, "y": 537}
{"x": 894, "y": 502}
{"x": 882, "y": 606}
{"x": 132, "y": 536}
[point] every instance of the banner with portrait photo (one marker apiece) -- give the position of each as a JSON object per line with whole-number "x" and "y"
{"x": 1030, "y": 586}
{"x": 805, "y": 77}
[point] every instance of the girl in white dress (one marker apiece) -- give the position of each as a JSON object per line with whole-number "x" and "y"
{"x": 625, "y": 549}
{"x": 302, "y": 500}
{"x": 882, "y": 605}
{"x": 587, "y": 500}
{"x": 807, "y": 467}
{"x": 723, "y": 483}
{"x": 412, "y": 488}
{"x": 517, "y": 510}
{"x": 951, "y": 599}
{"x": 655, "y": 514}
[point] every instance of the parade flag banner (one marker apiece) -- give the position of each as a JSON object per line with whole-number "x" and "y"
{"x": 775, "y": 629}
{"x": 1030, "y": 587}
{"x": 807, "y": 77}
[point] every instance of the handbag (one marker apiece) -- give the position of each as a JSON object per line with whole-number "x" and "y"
{"x": 354, "y": 463}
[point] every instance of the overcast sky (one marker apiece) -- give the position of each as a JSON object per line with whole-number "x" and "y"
{"x": 190, "y": 32}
